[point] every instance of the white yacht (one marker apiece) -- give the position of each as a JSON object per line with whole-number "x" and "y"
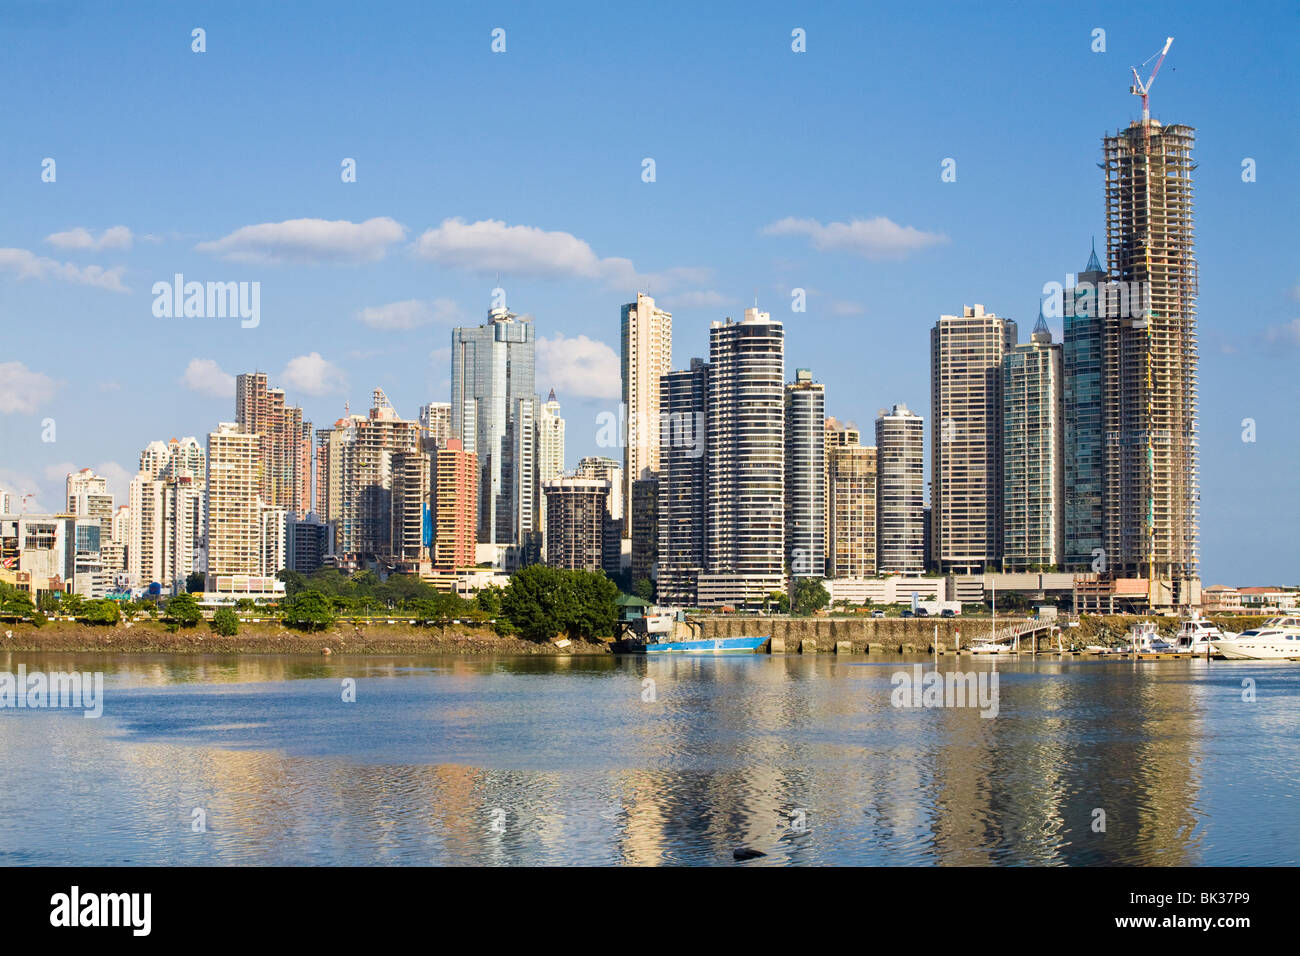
{"x": 1144, "y": 638}
{"x": 1278, "y": 639}
{"x": 1196, "y": 635}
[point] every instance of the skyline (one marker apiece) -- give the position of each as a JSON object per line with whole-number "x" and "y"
{"x": 714, "y": 234}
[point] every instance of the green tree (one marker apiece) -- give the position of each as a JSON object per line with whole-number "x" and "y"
{"x": 541, "y": 602}
{"x": 183, "y": 610}
{"x": 194, "y": 582}
{"x": 308, "y": 611}
{"x": 225, "y": 622}
{"x": 104, "y": 613}
{"x": 809, "y": 595}
{"x": 488, "y": 600}
{"x": 16, "y": 604}
{"x": 293, "y": 581}
{"x": 644, "y": 588}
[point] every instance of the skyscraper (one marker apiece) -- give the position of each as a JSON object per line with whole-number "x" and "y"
{"x": 805, "y": 476}
{"x": 966, "y": 353}
{"x": 578, "y": 512}
{"x": 647, "y": 355}
{"x": 166, "y": 513}
{"x": 365, "y": 462}
{"x": 1150, "y": 359}
{"x": 550, "y": 450}
{"x": 285, "y": 443}
{"x": 900, "y": 491}
{"x": 837, "y": 435}
{"x": 455, "y": 508}
{"x": 853, "y": 511}
{"x": 89, "y": 497}
{"x": 435, "y": 424}
{"x": 1033, "y": 532}
{"x": 744, "y": 550}
{"x": 1082, "y": 393}
{"x": 493, "y": 415}
{"x": 232, "y": 510}
{"x": 682, "y": 487}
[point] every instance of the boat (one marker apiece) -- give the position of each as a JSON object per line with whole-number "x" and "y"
{"x": 1277, "y": 639}
{"x": 698, "y": 645}
{"x": 991, "y": 647}
{"x": 1144, "y": 638}
{"x": 1196, "y": 635}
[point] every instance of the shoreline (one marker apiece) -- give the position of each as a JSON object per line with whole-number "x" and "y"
{"x": 152, "y": 638}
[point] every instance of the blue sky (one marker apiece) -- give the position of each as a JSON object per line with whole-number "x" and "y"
{"x": 528, "y": 163}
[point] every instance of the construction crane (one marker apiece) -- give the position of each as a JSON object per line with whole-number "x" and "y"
{"x": 1144, "y": 89}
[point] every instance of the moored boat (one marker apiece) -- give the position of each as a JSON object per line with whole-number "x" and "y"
{"x": 1144, "y": 638}
{"x": 699, "y": 645}
{"x": 1197, "y": 636}
{"x": 1277, "y": 639}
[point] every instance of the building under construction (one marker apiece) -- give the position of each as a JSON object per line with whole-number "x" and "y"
{"x": 1149, "y": 361}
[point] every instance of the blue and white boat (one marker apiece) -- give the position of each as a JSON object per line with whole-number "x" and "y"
{"x": 701, "y": 645}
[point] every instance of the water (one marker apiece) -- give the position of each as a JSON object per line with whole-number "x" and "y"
{"x": 561, "y": 761}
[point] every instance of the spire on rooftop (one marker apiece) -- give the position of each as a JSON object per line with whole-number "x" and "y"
{"x": 1093, "y": 264}
{"x": 551, "y": 398}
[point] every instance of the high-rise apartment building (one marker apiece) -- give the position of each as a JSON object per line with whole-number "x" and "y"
{"x": 89, "y": 497}
{"x": 837, "y": 435}
{"x": 167, "y": 516}
{"x": 455, "y": 507}
{"x": 232, "y": 510}
{"x": 744, "y": 526}
{"x": 357, "y": 472}
{"x": 647, "y": 355}
{"x": 435, "y": 425}
{"x": 900, "y": 491}
{"x": 1150, "y": 361}
{"x": 1033, "y": 465}
{"x": 682, "y": 487}
{"x": 853, "y": 511}
{"x": 285, "y": 442}
{"x": 1085, "y": 428}
{"x": 966, "y": 353}
{"x": 578, "y": 510}
{"x": 410, "y": 514}
{"x": 805, "y": 476}
{"x": 645, "y": 529}
{"x": 493, "y": 414}
{"x": 550, "y": 450}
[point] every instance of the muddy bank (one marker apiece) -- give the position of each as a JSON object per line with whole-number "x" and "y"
{"x": 148, "y": 637}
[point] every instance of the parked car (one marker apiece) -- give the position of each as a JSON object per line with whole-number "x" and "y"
{"x": 947, "y": 612}
{"x": 907, "y": 614}
{"x": 877, "y": 613}
{"x": 922, "y": 612}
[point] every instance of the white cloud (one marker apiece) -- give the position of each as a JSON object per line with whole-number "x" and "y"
{"x": 491, "y": 245}
{"x": 19, "y": 483}
{"x": 206, "y": 377}
{"x": 308, "y": 241}
{"x": 23, "y": 390}
{"x": 314, "y": 375}
{"x": 1287, "y": 334}
{"x": 410, "y": 314}
{"x": 578, "y": 366}
{"x": 116, "y": 237}
{"x": 28, "y": 265}
{"x": 844, "y": 307}
{"x": 119, "y": 480}
{"x": 878, "y": 238}
{"x": 700, "y": 299}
